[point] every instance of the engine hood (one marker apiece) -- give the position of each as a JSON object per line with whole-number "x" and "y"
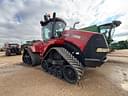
{"x": 78, "y": 37}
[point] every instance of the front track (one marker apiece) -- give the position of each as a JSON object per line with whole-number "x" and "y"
{"x": 62, "y": 64}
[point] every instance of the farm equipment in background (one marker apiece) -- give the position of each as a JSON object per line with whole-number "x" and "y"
{"x": 120, "y": 45}
{"x": 107, "y": 29}
{"x": 28, "y": 43}
{"x": 66, "y": 53}
{"x": 12, "y": 48}
{"x": 2, "y": 49}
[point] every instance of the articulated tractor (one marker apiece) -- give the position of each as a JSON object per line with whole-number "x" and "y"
{"x": 66, "y": 53}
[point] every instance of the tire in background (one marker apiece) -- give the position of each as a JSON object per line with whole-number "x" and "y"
{"x": 7, "y": 53}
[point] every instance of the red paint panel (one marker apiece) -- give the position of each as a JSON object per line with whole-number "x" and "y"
{"x": 77, "y": 37}
{"x": 37, "y": 47}
{"x": 41, "y": 47}
{"x": 52, "y": 42}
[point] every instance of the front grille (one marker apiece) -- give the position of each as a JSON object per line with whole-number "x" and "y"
{"x": 96, "y": 41}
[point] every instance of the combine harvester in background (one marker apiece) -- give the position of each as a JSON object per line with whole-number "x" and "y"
{"x": 12, "y": 48}
{"x": 107, "y": 29}
{"x": 66, "y": 53}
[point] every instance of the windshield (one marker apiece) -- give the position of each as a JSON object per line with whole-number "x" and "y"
{"x": 47, "y": 30}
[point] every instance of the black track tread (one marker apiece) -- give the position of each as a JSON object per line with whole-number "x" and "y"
{"x": 74, "y": 62}
{"x": 35, "y": 57}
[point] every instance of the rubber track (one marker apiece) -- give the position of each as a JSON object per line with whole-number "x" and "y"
{"x": 74, "y": 62}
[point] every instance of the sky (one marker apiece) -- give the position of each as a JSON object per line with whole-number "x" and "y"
{"x": 19, "y": 19}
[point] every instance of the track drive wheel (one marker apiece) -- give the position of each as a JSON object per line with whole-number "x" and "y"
{"x": 70, "y": 75}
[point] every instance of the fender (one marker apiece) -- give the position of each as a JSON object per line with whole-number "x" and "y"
{"x": 37, "y": 47}
{"x": 57, "y": 42}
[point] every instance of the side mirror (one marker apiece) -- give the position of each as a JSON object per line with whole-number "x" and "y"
{"x": 116, "y": 23}
{"x": 75, "y": 24}
{"x": 42, "y": 23}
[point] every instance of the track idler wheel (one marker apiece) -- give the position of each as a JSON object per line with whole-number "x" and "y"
{"x": 59, "y": 72}
{"x": 70, "y": 75}
{"x": 46, "y": 66}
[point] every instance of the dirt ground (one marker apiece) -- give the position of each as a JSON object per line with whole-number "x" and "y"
{"x": 111, "y": 79}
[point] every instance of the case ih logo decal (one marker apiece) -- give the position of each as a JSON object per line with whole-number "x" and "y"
{"x": 73, "y": 36}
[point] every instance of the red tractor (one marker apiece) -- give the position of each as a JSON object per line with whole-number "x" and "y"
{"x": 66, "y": 53}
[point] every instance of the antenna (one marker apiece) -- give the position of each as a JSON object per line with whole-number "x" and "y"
{"x": 54, "y": 14}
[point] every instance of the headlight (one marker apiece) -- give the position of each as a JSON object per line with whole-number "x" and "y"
{"x": 77, "y": 53}
{"x": 102, "y": 50}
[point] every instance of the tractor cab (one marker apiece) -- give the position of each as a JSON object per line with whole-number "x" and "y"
{"x": 52, "y": 27}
